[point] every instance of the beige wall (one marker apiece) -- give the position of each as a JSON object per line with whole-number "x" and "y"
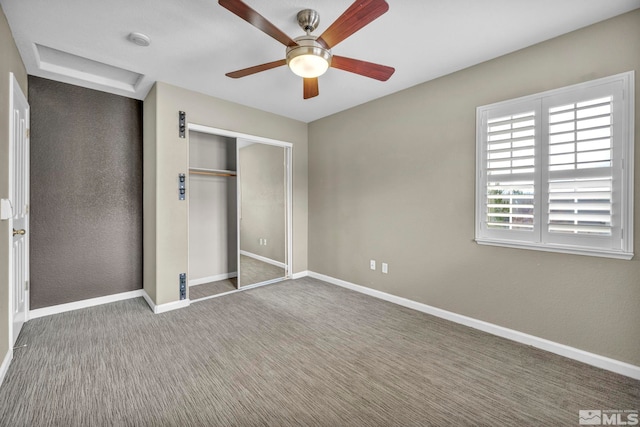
{"x": 9, "y": 62}
{"x": 263, "y": 201}
{"x": 393, "y": 180}
{"x": 170, "y": 231}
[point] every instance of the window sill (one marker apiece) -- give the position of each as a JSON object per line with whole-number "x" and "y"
{"x": 557, "y": 248}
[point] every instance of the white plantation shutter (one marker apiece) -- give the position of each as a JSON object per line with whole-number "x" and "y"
{"x": 510, "y": 169}
{"x": 508, "y": 163}
{"x": 552, "y": 170}
{"x": 580, "y": 168}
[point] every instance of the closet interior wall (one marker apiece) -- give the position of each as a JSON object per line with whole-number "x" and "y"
{"x": 212, "y": 195}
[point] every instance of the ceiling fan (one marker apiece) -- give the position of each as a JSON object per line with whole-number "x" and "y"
{"x": 309, "y": 56}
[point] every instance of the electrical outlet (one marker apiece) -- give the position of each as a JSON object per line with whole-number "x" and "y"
{"x": 372, "y": 264}
{"x": 385, "y": 268}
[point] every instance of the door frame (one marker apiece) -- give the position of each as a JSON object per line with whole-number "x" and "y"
{"x": 288, "y": 148}
{"x": 16, "y": 90}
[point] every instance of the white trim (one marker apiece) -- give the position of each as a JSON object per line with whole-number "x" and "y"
{"x": 289, "y": 219}
{"x": 10, "y": 225}
{"x": 233, "y": 134}
{"x": 76, "y": 305}
{"x": 150, "y": 303}
{"x": 548, "y": 247}
{"x": 300, "y": 274}
{"x": 162, "y": 308}
{"x": 263, "y": 259}
{"x": 17, "y": 96}
{"x": 266, "y": 282}
{"x": 5, "y": 365}
{"x": 628, "y": 96}
{"x": 209, "y": 279}
{"x": 592, "y": 359}
{"x": 233, "y": 291}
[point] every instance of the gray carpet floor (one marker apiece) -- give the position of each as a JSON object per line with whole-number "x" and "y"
{"x": 295, "y": 353}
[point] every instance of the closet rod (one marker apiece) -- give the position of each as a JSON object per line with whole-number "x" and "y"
{"x": 211, "y": 173}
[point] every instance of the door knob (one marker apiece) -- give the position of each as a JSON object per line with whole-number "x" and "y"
{"x": 21, "y": 231}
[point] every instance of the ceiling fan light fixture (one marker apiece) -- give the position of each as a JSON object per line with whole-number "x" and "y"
{"x": 309, "y": 65}
{"x": 308, "y": 59}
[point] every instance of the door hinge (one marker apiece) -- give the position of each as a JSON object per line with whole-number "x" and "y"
{"x": 182, "y": 124}
{"x": 28, "y": 133}
{"x": 183, "y": 286}
{"x": 26, "y": 285}
{"x": 182, "y": 191}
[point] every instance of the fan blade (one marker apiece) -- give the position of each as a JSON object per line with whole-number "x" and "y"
{"x": 364, "y": 68}
{"x": 256, "y": 69}
{"x": 359, "y": 14}
{"x": 310, "y": 88}
{"x": 254, "y": 18}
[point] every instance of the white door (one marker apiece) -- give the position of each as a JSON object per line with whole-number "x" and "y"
{"x": 19, "y": 197}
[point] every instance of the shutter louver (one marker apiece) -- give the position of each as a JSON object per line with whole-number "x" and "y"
{"x": 510, "y": 172}
{"x": 580, "y": 168}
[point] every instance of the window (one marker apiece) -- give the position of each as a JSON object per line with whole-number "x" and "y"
{"x": 555, "y": 170}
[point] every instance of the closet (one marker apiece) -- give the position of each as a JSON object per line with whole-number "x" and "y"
{"x": 212, "y": 196}
{"x": 239, "y": 212}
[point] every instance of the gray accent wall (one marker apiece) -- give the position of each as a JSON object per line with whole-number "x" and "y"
{"x": 393, "y": 180}
{"x": 86, "y": 193}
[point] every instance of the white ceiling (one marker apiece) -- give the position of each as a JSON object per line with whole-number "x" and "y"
{"x": 195, "y": 42}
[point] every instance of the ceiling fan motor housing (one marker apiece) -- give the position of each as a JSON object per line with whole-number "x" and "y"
{"x": 308, "y": 19}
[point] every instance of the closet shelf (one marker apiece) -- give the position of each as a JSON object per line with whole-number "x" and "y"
{"x": 213, "y": 172}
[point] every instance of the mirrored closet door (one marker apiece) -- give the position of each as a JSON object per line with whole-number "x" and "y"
{"x": 263, "y": 212}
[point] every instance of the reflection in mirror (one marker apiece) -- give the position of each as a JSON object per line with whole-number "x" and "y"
{"x": 263, "y": 238}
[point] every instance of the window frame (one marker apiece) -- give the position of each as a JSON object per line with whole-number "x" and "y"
{"x": 622, "y": 170}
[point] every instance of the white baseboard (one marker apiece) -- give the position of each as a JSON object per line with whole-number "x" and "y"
{"x": 264, "y": 259}
{"x": 150, "y": 303}
{"x": 5, "y": 365}
{"x": 593, "y": 359}
{"x": 76, "y": 305}
{"x": 300, "y": 274}
{"x": 209, "y": 279}
{"x": 162, "y": 308}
